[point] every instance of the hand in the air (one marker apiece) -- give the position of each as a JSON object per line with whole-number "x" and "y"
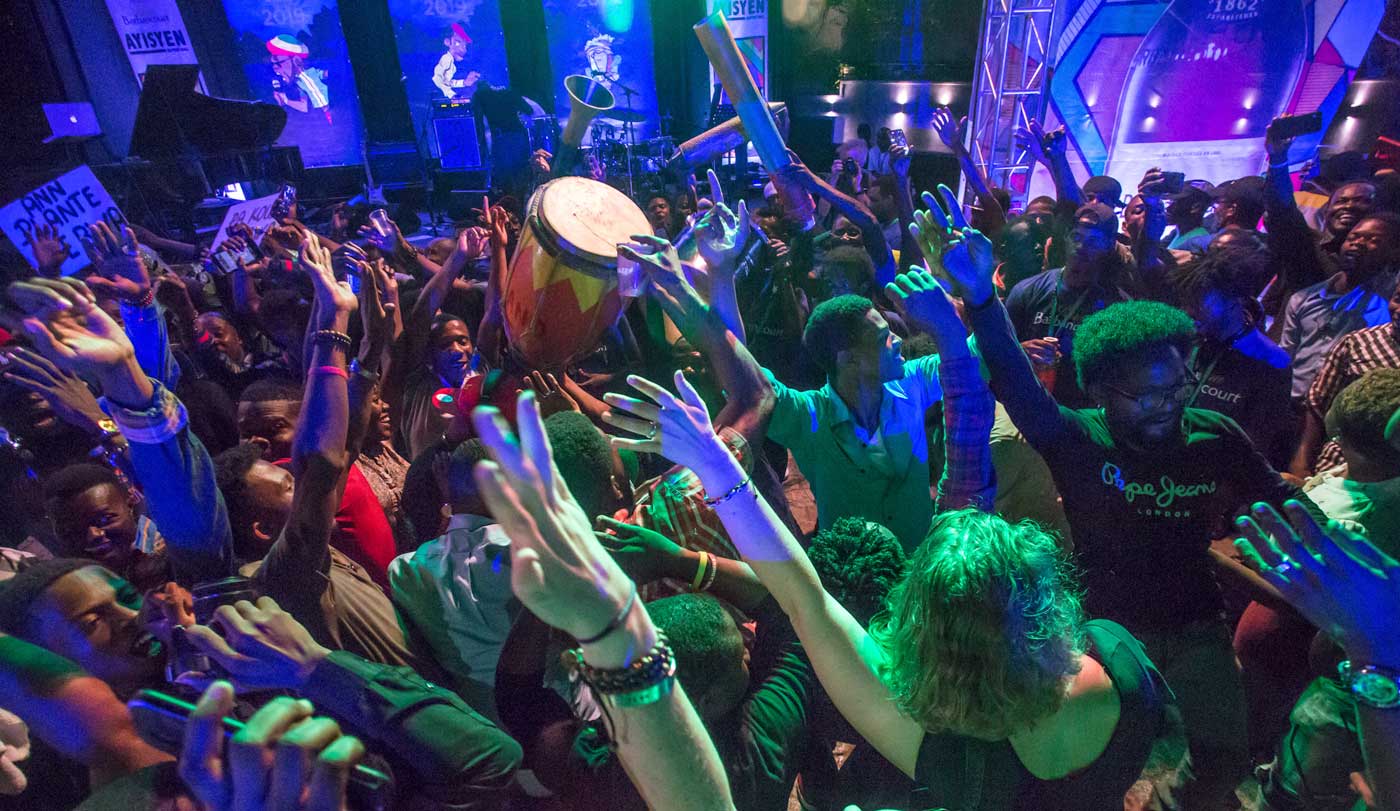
{"x": 642, "y": 553}
{"x": 67, "y": 327}
{"x": 316, "y": 264}
{"x": 122, "y": 272}
{"x": 49, "y": 251}
{"x": 676, "y": 427}
{"x": 964, "y": 254}
{"x": 69, "y": 397}
{"x": 951, "y": 131}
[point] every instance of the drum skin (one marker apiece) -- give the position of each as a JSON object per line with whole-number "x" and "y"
{"x": 560, "y": 290}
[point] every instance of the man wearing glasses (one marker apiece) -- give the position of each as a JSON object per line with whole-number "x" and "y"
{"x": 1147, "y": 481}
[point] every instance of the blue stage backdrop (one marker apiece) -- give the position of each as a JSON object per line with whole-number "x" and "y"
{"x": 609, "y": 40}
{"x": 426, "y": 30}
{"x": 294, "y": 54}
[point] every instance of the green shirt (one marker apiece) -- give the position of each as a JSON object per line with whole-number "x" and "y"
{"x": 880, "y": 475}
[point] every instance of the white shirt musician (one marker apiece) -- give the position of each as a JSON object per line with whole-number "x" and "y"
{"x": 445, "y": 74}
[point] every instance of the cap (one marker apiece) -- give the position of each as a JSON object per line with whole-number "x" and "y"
{"x": 1245, "y": 188}
{"x": 1097, "y": 215}
{"x": 460, "y": 31}
{"x": 287, "y": 45}
{"x": 1196, "y": 189}
{"x": 1105, "y": 189}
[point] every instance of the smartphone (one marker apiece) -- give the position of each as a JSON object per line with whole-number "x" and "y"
{"x": 1172, "y": 182}
{"x": 227, "y": 260}
{"x": 286, "y": 199}
{"x": 898, "y": 138}
{"x": 1294, "y": 125}
{"x": 160, "y": 721}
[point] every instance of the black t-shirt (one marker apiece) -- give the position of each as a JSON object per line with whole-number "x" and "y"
{"x": 1250, "y": 391}
{"x": 1142, "y": 520}
{"x": 968, "y": 774}
{"x": 1041, "y": 307}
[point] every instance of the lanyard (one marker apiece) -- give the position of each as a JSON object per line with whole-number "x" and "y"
{"x": 1204, "y": 377}
{"x": 1055, "y": 323}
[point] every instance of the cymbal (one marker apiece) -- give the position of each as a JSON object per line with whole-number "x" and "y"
{"x": 624, "y": 115}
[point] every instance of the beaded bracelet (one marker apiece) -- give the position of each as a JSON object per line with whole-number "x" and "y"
{"x": 147, "y": 299}
{"x": 331, "y": 336}
{"x": 733, "y": 491}
{"x": 644, "y": 681}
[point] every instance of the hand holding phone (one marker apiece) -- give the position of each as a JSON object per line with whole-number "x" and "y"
{"x": 199, "y": 735}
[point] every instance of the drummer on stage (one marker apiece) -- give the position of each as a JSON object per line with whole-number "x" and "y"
{"x": 445, "y": 75}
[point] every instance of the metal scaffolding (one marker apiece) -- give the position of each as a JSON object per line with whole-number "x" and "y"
{"x": 1013, "y": 69}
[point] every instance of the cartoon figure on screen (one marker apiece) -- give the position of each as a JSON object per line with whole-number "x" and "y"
{"x": 602, "y": 61}
{"x": 294, "y": 85}
{"x": 445, "y": 74}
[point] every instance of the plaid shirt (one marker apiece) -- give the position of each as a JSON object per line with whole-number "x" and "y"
{"x": 1353, "y": 356}
{"x": 969, "y": 411}
{"x": 673, "y": 504}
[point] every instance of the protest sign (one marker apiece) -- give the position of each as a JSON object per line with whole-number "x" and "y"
{"x": 71, "y": 203}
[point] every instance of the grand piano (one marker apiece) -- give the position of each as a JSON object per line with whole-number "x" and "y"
{"x": 205, "y": 142}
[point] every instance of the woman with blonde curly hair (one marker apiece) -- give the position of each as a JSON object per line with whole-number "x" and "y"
{"x": 982, "y": 680}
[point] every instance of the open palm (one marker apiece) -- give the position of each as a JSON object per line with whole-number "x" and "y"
{"x": 67, "y": 326}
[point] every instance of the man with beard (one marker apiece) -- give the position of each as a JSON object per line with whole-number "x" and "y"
{"x": 1047, "y": 308}
{"x": 1145, "y": 481}
{"x": 1345, "y": 208}
{"x": 1354, "y": 298}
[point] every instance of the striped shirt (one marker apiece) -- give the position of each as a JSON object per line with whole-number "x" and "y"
{"x": 1353, "y": 356}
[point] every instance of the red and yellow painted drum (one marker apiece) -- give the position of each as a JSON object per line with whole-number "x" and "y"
{"x": 560, "y": 291}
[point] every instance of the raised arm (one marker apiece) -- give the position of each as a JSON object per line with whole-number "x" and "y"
{"x": 562, "y": 574}
{"x": 845, "y": 658}
{"x": 1050, "y": 149}
{"x": 953, "y": 136}
{"x": 319, "y": 455}
{"x": 1351, "y": 591}
{"x": 174, "y": 469}
{"x": 967, "y": 260}
{"x": 749, "y": 395}
{"x": 860, "y": 216}
{"x": 968, "y": 407}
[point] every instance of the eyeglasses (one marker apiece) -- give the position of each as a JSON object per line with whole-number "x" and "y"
{"x": 1153, "y": 400}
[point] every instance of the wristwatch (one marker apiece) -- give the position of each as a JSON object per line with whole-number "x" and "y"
{"x": 1376, "y": 687}
{"x": 109, "y": 429}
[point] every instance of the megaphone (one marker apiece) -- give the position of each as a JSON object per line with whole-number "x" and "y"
{"x": 706, "y": 147}
{"x": 587, "y": 98}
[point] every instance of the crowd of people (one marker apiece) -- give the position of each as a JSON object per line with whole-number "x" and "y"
{"x": 864, "y": 501}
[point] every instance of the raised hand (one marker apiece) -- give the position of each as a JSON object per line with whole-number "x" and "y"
{"x": 553, "y": 398}
{"x": 471, "y": 246}
{"x": 678, "y": 428}
{"x": 1275, "y": 145}
{"x": 122, "y": 272}
{"x": 261, "y": 646}
{"x": 68, "y": 327}
{"x": 315, "y": 262}
{"x": 1335, "y": 578}
{"x": 383, "y": 233}
{"x": 950, "y": 131}
{"x": 282, "y": 759}
{"x": 497, "y": 222}
{"x": 922, "y": 301}
{"x": 721, "y": 235}
{"x": 376, "y": 313}
{"x": 901, "y": 159}
{"x": 69, "y": 397}
{"x": 1031, "y": 138}
{"x": 558, "y": 569}
{"x": 1150, "y": 187}
{"x": 964, "y": 254}
{"x": 657, "y": 258}
{"x": 49, "y": 251}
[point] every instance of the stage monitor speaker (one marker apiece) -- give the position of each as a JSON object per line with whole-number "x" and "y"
{"x": 458, "y": 143}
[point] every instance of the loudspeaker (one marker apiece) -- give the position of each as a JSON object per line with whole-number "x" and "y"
{"x": 458, "y": 143}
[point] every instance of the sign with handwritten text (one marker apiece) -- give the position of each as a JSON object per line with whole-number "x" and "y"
{"x": 256, "y": 214}
{"x": 71, "y": 203}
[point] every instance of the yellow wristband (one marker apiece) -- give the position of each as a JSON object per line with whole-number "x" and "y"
{"x": 700, "y": 572}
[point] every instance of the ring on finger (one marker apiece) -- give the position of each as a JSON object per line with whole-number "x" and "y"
{"x": 652, "y": 433}
{"x": 1285, "y": 568}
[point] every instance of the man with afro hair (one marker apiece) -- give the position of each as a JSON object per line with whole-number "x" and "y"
{"x": 1146, "y": 482}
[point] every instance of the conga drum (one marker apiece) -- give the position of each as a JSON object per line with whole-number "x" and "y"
{"x": 560, "y": 291}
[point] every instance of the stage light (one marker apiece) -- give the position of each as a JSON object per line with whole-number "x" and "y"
{"x": 1149, "y": 123}
{"x": 1241, "y": 124}
{"x": 1154, "y": 101}
{"x": 617, "y": 15}
{"x": 1250, "y": 98}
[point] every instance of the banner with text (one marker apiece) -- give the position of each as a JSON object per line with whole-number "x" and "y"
{"x": 256, "y": 214}
{"x": 294, "y": 54}
{"x": 70, "y": 203}
{"x": 610, "y": 41}
{"x": 748, "y": 19}
{"x": 152, "y": 33}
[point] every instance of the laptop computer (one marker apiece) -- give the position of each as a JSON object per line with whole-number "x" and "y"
{"x": 71, "y": 120}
